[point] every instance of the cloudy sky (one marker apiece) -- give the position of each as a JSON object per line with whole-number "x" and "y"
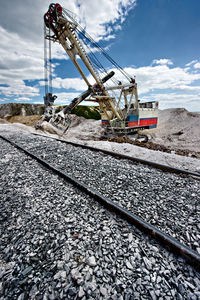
{"x": 155, "y": 40}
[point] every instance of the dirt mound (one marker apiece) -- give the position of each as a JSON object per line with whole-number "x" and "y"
{"x": 26, "y": 120}
{"x": 3, "y": 121}
{"x": 80, "y": 128}
{"x": 48, "y": 128}
{"x": 177, "y": 129}
{"x": 76, "y": 121}
{"x": 84, "y": 129}
{"x": 154, "y": 146}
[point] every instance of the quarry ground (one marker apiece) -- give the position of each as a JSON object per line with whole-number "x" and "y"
{"x": 175, "y": 142}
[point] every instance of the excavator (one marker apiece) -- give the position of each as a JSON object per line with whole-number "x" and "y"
{"x": 121, "y": 111}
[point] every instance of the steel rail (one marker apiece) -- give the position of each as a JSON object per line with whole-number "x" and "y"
{"x": 124, "y": 156}
{"x": 171, "y": 244}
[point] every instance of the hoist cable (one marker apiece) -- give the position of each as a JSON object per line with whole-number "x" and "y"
{"x": 93, "y": 57}
{"x": 91, "y": 40}
{"x": 50, "y": 66}
{"x": 95, "y": 60}
{"x": 45, "y": 62}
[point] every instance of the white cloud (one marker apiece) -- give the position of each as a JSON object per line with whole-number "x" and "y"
{"x": 4, "y": 99}
{"x": 191, "y": 63}
{"x": 67, "y": 83}
{"x": 188, "y": 88}
{"x": 117, "y": 27}
{"x": 18, "y": 88}
{"x": 70, "y": 83}
{"x": 22, "y": 99}
{"x": 19, "y": 59}
{"x": 167, "y": 84}
{"x": 162, "y": 61}
{"x": 161, "y": 77}
{"x": 95, "y": 19}
{"x": 197, "y": 65}
{"x": 174, "y": 100}
{"x": 22, "y": 59}
{"x": 190, "y": 102}
{"x": 109, "y": 37}
{"x": 65, "y": 98}
{"x": 37, "y": 102}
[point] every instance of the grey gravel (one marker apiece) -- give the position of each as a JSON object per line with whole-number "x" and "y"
{"x": 168, "y": 201}
{"x": 91, "y": 261}
{"x": 49, "y": 230}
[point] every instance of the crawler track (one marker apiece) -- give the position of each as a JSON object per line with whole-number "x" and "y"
{"x": 189, "y": 255}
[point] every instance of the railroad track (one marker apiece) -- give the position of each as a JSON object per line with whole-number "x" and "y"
{"x": 123, "y": 156}
{"x": 132, "y": 239}
{"x": 135, "y": 213}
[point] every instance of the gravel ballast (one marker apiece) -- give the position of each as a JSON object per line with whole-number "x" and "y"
{"x": 57, "y": 243}
{"x": 168, "y": 201}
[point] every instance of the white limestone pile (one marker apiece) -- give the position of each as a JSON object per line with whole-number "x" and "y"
{"x": 177, "y": 128}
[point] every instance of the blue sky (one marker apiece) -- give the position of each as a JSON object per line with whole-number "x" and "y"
{"x": 155, "y": 40}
